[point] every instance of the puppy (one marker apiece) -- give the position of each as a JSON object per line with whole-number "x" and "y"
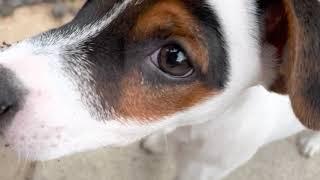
{"x": 126, "y": 69}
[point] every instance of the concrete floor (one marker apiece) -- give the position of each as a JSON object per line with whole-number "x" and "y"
{"x": 278, "y": 161}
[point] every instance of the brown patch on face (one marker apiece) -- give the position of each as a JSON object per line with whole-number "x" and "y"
{"x": 147, "y": 103}
{"x": 171, "y": 19}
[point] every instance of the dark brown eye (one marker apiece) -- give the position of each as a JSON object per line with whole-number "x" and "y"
{"x": 173, "y": 60}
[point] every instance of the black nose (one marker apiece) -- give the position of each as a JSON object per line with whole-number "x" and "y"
{"x": 11, "y": 96}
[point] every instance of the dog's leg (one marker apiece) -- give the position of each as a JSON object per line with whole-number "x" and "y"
{"x": 202, "y": 154}
{"x": 188, "y": 156}
{"x": 309, "y": 143}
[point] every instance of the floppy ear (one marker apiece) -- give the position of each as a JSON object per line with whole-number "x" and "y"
{"x": 293, "y": 27}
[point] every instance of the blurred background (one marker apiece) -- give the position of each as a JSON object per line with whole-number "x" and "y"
{"x": 24, "y": 18}
{"x": 60, "y": 7}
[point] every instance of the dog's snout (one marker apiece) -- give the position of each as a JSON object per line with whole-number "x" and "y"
{"x": 11, "y": 96}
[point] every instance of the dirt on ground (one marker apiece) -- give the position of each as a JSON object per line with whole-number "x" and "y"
{"x": 28, "y": 21}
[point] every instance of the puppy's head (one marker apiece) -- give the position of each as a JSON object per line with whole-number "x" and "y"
{"x": 124, "y": 69}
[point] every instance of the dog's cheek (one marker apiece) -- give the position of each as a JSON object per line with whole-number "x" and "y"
{"x": 147, "y": 103}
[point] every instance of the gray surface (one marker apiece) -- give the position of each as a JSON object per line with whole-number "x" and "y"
{"x": 278, "y": 161}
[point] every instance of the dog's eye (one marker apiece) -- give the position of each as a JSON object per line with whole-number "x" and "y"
{"x": 173, "y": 60}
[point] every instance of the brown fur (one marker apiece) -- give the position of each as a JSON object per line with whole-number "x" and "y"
{"x": 147, "y": 103}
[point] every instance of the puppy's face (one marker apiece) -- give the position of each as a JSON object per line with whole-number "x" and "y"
{"x": 124, "y": 69}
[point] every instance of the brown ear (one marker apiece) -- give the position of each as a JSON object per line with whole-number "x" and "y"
{"x": 293, "y": 27}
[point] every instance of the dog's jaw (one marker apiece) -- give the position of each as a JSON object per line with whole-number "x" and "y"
{"x": 55, "y": 120}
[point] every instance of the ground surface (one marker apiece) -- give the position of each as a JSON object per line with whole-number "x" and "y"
{"x": 279, "y": 161}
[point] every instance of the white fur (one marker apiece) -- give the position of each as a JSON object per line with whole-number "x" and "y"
{"x": 212, "y": 150}
{"x": 214, "y": 137}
